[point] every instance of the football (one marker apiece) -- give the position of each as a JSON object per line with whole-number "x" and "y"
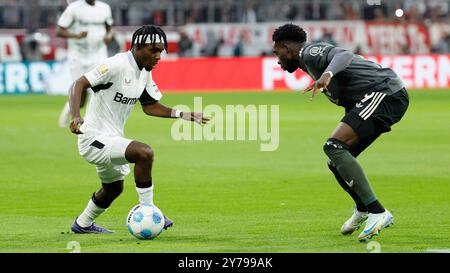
{"x": 145, "y": 222}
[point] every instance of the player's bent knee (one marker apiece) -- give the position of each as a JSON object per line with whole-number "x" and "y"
{"x": 333, "y": 148}
{"x": 146, "y": 154}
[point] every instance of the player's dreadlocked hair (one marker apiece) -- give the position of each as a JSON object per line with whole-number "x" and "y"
{"x": 140, "y": 36}
{"x": 289, "y": 32}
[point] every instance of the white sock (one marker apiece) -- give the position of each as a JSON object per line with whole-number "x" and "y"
{"x": 145, "y": 195}
{"x": 89, "y": 214}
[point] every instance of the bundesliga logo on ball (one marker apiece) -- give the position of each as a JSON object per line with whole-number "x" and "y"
{"x": 145, "y": 222}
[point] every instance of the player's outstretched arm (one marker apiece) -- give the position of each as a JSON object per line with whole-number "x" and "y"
{"x": 339, "y": 59}
{"x": 158, "y": 110}
{"x": 76, "y": 92}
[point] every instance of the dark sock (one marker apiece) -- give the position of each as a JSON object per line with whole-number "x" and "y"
{"x": 99, "y": 203}
{"x": 359, "y": 204}
{"x": 143, "y": 185}
{"x": 349, "y": 169}
{"x": 375, "y": 207}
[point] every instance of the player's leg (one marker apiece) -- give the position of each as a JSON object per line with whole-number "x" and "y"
{"x": 108, "y": 155}
{"x": 142, "y": 156}
{"x": 337, "y": 149}
{"x": 98, "y": 204}
{"x": 360, "y": 213}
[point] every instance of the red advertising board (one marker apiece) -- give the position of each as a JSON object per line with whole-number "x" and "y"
{"x": 250, "y": 74}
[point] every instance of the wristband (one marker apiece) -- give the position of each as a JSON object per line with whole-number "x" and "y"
{"x": 329, "y": 72}
{"x": 176, "y": 113}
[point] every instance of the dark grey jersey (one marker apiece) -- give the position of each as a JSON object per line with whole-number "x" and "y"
{"x": 350, "y": 85}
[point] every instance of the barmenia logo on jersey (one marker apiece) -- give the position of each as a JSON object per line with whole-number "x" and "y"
{"x": 119, "y": 97}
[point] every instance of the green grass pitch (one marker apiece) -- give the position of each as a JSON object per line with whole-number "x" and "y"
{"x": 228, "y": 196}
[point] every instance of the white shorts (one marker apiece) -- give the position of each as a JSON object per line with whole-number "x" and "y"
{"x": 107, "y": 153}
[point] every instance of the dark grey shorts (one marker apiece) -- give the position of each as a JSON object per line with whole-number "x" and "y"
{"x": 377, "y": 112}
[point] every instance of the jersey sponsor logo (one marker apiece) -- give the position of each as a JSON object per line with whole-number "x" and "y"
{"x": 127, "y": 81}
{"x": 119, "y": 97}
{"x": 317, "y": 50}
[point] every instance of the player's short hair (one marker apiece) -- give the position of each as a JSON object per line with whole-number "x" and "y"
{"x": 141, "y": 35}
{"x": 289, "y": 32}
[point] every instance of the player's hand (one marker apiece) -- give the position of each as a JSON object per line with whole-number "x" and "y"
{"x": 107, "y": 38}
{"x": 319, "y": 85}
{"x": 195, "y": 117}
{"x": 75, "y": 125}
{"x": 82, "y": 35}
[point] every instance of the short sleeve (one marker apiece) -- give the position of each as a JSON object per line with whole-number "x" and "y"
{"x": 109, "y": 19}
{"x": 67, "y": 17}
{"x": 102, "y": 74}
{"x": 145, "y": 98}
{"x": 151, "y": 86}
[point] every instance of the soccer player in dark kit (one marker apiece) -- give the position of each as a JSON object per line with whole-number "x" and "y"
{"x": 374, "y": 99}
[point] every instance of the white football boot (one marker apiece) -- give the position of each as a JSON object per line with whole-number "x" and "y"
{"x": 375, "y": 223}
{"x": 354, "y": 222}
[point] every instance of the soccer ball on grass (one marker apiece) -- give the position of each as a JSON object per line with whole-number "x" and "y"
{"x": 145, "y": 222}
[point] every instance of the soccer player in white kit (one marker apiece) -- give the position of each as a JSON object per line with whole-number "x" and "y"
{"x": 118, "y": 84}
{"x": 87, "y": 26}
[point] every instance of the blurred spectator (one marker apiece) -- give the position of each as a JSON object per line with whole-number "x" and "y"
{"x": 213, "y": 45}
{"x": 238, "y": 49}
{"x": 414, "y": 10}
{"x": 375, "y": 12}
{"x": 443, "y": 46}
{"x": 17, "y": 14}
{"x": 379, "y": 15}
{"x": 335, "y": 10}
{"x": 184, "y": 45}
{"x": 315, "y": 11}
{"x": 227, "y": 12}
{"x": 290, "y": 11}
{"x": 413, "y": 13}
{"x": 249, "y": 15}
{"x": 216, "y": 48}
{"x": 328, "y": 38}
{"x": 31, "y": 50}
{"x": 113, "y": 47}
{"x": 350, "y": 13}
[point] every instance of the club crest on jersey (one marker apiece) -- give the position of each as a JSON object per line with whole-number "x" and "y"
{"x": 119, "y": 97}
{"x": 317, "y": 50}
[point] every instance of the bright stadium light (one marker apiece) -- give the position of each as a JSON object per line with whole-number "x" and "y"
{"x": 399, "y": 12}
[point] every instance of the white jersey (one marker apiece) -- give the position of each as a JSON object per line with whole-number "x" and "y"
{"x": 118, "y": 85}
{"x": 80, "y": 16}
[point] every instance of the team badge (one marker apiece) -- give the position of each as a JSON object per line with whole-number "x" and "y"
{"x": 317, "y": 50}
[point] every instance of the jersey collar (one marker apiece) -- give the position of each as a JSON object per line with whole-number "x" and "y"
{"x": 132, "y": 60}
{"x": 301, "y": 63}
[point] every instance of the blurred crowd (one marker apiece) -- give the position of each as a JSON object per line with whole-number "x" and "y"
{"x": 44, "y": 13}
{"x": 35, "y": 14}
